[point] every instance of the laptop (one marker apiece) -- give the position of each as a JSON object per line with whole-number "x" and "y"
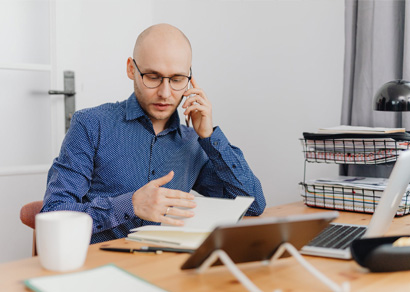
{"x": 334, "y": 241}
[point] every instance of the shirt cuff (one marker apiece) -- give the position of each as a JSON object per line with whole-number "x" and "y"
{"x": 214, "y": 144}
{"x": 123, "y": 208}
{"x": 227, "y": 159}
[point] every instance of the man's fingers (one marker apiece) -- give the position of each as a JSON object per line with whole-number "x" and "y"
{"x": 172, "y": 221}
{"x": 174, "y": 216}
{"x": 175, "y": 194}
{"x": 196, "y": 108}
{"x": 182, "y": 203}
{"x": 178, "y": 212}
{"x": 163, "y": 180}
{"x": 159, "y": 204}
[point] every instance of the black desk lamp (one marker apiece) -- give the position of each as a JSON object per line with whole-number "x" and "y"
{"x": 393, "y": 96}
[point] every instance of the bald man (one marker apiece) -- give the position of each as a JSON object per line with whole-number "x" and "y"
{"x": 131, "y": 163}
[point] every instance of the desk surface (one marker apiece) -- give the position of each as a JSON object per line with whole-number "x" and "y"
{"x": 285, "y": 274}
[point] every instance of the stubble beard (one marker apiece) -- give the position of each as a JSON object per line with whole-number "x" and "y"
{"x": 153, "y": 116}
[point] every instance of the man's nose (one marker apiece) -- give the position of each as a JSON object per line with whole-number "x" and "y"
{"x": 165, "y": 89}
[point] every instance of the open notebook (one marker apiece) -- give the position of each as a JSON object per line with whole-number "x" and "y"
{"x": 335, "y": 240}
{"x": 209, "y": 213}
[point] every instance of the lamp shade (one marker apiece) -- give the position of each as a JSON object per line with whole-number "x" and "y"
{"x": 393, "y": 96}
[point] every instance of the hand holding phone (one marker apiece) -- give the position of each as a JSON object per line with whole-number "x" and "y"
{"x": 198, "y": 110}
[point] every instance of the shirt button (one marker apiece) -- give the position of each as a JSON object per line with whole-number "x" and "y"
{"x": 233, "y": 165}
{"x": 126, "y": 216}
{"x": 99, "y": 227}
{"x": 216, "y": 143}
{"x": 153, "y": 172}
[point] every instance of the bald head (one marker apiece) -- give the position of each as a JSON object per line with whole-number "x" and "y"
{"x": 161, "y": 35}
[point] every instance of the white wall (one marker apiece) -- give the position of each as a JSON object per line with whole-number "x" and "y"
{"x": 272, "y": 69}
{"x": 94, "y": 39}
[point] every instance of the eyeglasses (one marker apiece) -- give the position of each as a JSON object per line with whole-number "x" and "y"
{"x": 152, "y": 80}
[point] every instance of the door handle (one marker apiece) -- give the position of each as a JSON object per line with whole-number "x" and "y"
{"x": 69, "y": 96}
{"x": 61, "y": 92}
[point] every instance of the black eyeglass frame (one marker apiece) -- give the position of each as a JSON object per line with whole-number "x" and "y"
{"x": 162, "y": 77}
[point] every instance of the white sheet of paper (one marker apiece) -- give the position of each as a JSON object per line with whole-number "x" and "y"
{"x": 107, "y": 278}
{"x": 209, "y": 213}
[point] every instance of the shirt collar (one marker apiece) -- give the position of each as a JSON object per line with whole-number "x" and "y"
{"x": 134, "y": 111}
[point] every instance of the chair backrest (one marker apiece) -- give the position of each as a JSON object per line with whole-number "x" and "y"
{"x": 27, "y": 215}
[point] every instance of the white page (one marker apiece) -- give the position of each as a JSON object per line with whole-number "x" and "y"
{"x": 178, "y": 239}
{"x": 359, "y": 129}
{"x": 107, "y": 278}
{"x": 209, "y": 213}
{"x": 370, "y": 183}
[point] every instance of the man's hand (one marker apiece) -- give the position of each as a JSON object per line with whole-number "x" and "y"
{"x": 153, "y": 203}
{"x": 199, "y": 109}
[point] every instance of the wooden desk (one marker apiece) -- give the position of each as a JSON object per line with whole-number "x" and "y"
{"x": 285, "y": 274}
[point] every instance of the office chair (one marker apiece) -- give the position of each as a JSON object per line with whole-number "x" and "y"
{"x": 27, "y": 216}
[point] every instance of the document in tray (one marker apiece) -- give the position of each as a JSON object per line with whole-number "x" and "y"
{"x": 107, "y": 278}
{"x": 355, "y": 145}
{"x": 209, "y": 213}
{"x": 372, "y": 183}
{"x": 360, "y": 194}
{"x": 360, "y": 130}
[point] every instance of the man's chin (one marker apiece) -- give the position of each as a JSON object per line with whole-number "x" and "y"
{"x": 160, "y": 116}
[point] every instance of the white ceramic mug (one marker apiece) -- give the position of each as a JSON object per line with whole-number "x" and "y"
{"x": 62, "y": 239}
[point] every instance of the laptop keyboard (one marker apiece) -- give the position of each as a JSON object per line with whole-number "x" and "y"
{"x": 337, "y": 236}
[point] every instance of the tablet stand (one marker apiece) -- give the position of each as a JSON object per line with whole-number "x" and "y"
{"x": 250, "y": 286}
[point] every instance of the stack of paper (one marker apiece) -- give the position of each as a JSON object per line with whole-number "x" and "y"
{"x": 360, "y": 130}
{"x": 209, "y": 213}
{"x": 358, "y": 194}
{"x": 354, "y": 145}
{"x": 357, "y": 151}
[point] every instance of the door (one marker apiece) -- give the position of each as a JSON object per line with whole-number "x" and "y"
{"x": 30, "y": 126}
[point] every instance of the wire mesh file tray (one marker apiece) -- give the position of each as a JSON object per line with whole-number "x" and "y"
{"x": 363, "y": 149}
{"x": 345, "y": 198}
{"x": 353, "y": 150}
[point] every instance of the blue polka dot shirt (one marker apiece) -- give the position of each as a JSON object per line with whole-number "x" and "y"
{"x": 110, "y": 151}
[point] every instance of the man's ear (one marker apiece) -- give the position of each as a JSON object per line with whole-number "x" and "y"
{"x": 130, "y": 69}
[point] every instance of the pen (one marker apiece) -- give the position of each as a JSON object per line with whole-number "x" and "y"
{"x": 148, "y": 249}
{"x": 167, "y": 249}
{"x": 129, "y": 250}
